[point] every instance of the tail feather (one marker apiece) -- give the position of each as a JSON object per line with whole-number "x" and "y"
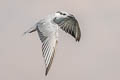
{"x": 32, "y": 29}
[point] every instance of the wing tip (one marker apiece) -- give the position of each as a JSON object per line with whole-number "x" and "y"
{"x": 78, "y": 38}
{"x": 46, "y": 72}
{"x": 48, "y": 68}
{"x": 51, "y": 60}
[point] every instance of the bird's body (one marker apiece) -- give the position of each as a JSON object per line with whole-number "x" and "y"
{"x": 47, "y": 29}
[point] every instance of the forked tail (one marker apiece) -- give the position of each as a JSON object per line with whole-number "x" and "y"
{"x": 32, "y": 29}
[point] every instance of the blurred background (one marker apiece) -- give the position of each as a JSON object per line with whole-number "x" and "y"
{"x": 95, "y": 57}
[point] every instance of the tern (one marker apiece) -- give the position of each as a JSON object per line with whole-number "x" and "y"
{"x": 47, "y": 29}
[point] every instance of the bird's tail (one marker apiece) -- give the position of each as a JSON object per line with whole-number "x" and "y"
{"x": 32, "y": 29}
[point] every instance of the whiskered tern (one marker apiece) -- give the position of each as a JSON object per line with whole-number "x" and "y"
{"x": 47, "y": 29}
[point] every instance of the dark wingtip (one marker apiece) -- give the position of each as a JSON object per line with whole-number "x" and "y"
{"x": 46, "y": 72}
{"x": 78, "y": 39}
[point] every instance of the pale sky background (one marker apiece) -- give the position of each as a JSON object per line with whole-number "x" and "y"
{"x": 95, "y": 57}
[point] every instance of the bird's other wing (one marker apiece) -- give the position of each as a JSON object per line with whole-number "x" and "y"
{"x": 48, "y": 47}
{"x": 71, "y": 26}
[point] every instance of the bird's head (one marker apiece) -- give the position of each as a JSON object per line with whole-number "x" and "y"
{"x": 61, "y": 15}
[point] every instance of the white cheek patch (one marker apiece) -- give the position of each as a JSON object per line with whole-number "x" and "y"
{"x": 57, "y": 15}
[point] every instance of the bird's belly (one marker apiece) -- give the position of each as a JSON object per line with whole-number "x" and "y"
{"x": 48, "y": 29}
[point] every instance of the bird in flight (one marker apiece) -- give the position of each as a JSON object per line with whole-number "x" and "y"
{"x": 47, "y": 29}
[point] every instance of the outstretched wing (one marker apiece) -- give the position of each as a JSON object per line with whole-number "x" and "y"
{"x": 70, "y": 25}
{"x": 49, "y": 41}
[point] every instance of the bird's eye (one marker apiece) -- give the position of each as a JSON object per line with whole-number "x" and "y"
{"x": 63, "y": 14}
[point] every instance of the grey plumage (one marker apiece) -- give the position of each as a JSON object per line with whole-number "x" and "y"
{"x": 47, "y": 29}
{"x": 69, "y": 25}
